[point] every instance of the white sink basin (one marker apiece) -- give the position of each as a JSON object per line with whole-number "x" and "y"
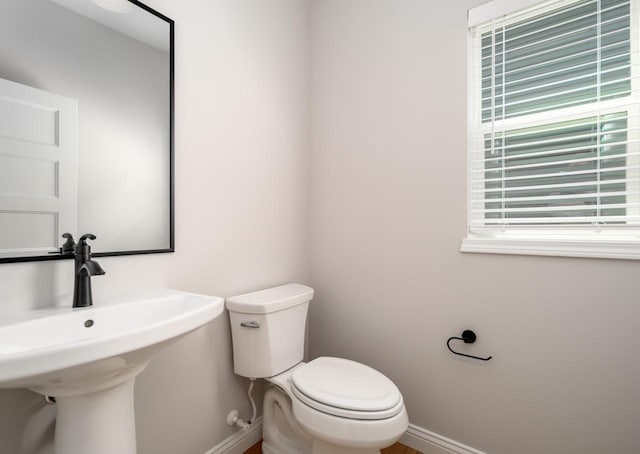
{"x": 88, "y": 359}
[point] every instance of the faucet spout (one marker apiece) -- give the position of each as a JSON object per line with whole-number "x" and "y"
{"x": 92, "y": 268}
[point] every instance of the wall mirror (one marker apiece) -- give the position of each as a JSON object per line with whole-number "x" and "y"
{"x": 86, "y": 127}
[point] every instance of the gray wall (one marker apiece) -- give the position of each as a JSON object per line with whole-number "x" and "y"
{"x": 241, "y": 219}
{"x": 388, "y": 195}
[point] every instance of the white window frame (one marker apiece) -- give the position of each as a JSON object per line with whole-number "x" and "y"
{"x": 620, "y": 243}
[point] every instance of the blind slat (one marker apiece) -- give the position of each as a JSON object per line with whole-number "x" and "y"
{"x": 552, "y": 209}
{"x": 552, "y": 152}
{"x": 555, "y": 187}
{"x": 566, "y": 162}
{"x": 559, "y": 175}
{"x": 565, "y": 220}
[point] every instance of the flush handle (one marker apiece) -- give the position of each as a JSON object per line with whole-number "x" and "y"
{"x": 250, "y": 324}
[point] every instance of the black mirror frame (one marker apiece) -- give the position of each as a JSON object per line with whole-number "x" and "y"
{"x": 171, "y": 248}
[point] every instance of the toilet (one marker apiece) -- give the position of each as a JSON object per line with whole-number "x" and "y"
{"x": 328, "y": 405}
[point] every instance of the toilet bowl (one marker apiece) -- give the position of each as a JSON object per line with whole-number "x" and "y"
{"x": 329, "y": 405}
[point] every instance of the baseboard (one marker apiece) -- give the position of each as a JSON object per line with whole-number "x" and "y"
{"x": 415, "y": 437}
{"x": 429, "y": 442}
{"x": 240, "y": 441}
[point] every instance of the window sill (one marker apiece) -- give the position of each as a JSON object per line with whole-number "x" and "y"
{"x": 613, "y": 249}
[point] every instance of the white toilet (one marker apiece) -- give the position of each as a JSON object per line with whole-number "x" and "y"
{"x": 329, "y": 405}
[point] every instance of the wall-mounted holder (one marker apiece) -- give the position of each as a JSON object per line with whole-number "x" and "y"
{"x": 468, "y": 337}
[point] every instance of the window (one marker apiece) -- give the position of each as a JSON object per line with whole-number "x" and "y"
{"x": 554, "y": 129}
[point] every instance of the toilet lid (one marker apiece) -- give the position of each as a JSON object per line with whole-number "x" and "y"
{"x": 348, "y": 385}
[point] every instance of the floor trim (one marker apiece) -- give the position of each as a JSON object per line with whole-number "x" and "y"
{"x": 415, "y": 437}
{"x": 240, "y": 441}
{"x": 429, "y": 442}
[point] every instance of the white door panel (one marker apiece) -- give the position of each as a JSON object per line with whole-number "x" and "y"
{"x": 38, "y": 169}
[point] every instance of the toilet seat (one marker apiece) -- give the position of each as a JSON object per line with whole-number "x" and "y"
{"x": 347, "y": 389}
{"x": 344, "y": 413}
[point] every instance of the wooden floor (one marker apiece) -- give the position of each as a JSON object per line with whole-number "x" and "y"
{"x": 395, "y": 449}
{"x": 399, "y": 449}
{"x": 255, "y": 449}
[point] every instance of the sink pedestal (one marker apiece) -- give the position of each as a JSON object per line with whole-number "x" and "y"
{"x": 95, "y": 405}
{"x": 102, "y": 422}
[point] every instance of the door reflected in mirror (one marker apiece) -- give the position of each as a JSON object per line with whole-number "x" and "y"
{"x": 86, "y": 119}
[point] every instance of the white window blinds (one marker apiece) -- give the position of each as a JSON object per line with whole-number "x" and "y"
{"x": 554, "y": 121}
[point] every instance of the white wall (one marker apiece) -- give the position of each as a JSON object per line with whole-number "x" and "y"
{"x": 241, "y": 219}
{"x": 388, "y": 194}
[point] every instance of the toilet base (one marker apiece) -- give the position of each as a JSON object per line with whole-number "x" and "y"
{"x": 282, "y": 434}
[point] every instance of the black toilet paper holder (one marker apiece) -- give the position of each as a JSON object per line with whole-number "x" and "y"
{"x": 468, "y": 337}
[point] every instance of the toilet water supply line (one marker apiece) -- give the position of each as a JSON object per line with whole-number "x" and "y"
{"x": 233, "y": 419}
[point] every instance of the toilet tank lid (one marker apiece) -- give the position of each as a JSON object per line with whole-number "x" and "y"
{"x": 270, "y": 300}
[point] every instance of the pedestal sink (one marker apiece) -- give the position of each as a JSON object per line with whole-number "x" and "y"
{"x": 88, "y": 359}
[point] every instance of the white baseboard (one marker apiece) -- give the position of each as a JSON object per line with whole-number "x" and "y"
{"x": 415, "y": 437}
{"x": 429, "y": 442}
{"x": 240, "y": 441}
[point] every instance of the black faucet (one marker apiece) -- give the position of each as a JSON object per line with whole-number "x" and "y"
{"x": 85, "y": 267}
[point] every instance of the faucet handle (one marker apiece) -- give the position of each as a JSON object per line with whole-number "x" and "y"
{"x": 83, "y": 247}
{"x": 69, "y": 245}
{"x": 85, "y": 237}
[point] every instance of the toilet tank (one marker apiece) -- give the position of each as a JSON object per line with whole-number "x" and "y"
{"x": 268, "y": 329}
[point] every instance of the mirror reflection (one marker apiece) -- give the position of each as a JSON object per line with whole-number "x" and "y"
{"x": 85, "y": 126}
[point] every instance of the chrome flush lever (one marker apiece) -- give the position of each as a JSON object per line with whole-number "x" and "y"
{"x": 250, "y": 324}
